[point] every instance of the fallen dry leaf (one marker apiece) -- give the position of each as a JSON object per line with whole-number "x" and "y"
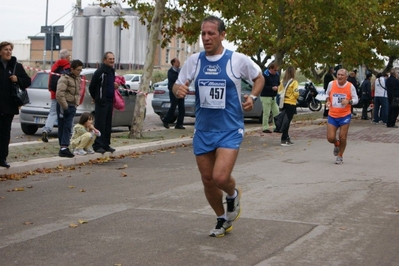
{"x": 82, "y": 190}
{"x": 27, "y": 223}
{"x": 71, "y": 187}
{"x": 2, "y": 197}
{"x": 19, "y": 189}
{"x": 73, "y": 225}
{"x": 82, "y": 221}
{"x": 29, "y": 187}
{"x": 123, "y": 174}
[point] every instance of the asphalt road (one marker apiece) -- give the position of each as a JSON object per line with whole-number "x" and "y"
{"x": 299, "y": 208}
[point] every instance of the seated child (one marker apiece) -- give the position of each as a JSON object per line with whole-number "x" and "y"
{"x": 84, "y": 134}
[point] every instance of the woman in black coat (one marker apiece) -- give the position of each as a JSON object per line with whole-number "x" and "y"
{"x": 8, "y": 105}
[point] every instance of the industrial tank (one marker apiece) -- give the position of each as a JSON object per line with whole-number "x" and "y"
{"x": 142, "y": 40}
{"x": 95, "y": 45}
{"x": 92, "y": 11}
{"x": 115, "y": 10}
{"x": 79, "y": 42}
{"x": 112, "y": 40}
{"x": 128, "y": 42}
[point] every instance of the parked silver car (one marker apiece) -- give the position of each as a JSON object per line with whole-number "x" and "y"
{"x": 161, "y": 103}
{"x": 33, "y": 115}
{"x": 160, "y": 83}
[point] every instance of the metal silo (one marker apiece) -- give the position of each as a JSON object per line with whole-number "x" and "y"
{"x": 142, "y": 40}
{"x": 112, "y": 40}
{"x": 79, "y": 42}
{"x": 95, "y": 45}
{"x": 128, "y": 42}
{"x": 92, "y": 11}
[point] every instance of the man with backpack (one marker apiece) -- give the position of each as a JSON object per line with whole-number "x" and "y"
{"x": 61, "y": 66}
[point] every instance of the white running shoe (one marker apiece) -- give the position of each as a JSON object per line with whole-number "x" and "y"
{"x": 222, "y": 227}
{"x": 79, "y": 152}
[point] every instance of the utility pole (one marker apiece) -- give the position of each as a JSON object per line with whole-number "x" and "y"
{"x": 45, "y": 40}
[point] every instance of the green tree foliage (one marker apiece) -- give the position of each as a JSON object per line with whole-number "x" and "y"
{"x": 305, "y": 33}
{"x": 309, "y": 34}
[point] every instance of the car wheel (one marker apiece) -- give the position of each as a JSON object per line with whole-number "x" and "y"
{"x": 29, "y": 129}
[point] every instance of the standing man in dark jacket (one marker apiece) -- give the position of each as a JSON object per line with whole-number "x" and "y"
{"x": 101, "y": 89}
{"x": 328, "y": 77}
{"x": 352, "y": 79}
{"x": 268, "y": 96}
{"x": 8, "y": 105}
{"x": 366, "y": 95}
{"x": 392, "y": 85}
{"x": 173, "y": 73}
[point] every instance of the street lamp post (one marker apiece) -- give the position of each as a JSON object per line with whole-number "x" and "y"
{"x": 45, "y": 36}
{"x": 51, "y": 33}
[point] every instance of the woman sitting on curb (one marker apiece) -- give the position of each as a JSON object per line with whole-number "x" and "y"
{"x": 84, "y": 134}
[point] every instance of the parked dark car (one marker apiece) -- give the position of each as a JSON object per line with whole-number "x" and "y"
{"x": 161, "y": 103}
{"x": 34, "y": 114}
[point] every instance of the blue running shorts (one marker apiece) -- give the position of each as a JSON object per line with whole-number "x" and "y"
{"x": 208, "y": 141}
{"x": 337, "y": 122}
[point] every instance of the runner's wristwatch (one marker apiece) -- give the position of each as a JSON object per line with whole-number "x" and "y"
{"x": 254, "y": 98}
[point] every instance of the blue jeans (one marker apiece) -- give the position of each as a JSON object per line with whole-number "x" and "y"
{"x": 381, "y": 108}
{"x": 51, "y": 118}
{"x": 65, "y": 123}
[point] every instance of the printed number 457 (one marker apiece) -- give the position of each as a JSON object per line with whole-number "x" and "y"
{"x": 216, "y": 93}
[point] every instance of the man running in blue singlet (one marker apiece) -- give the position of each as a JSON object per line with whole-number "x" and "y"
{"x": 219, "y": 126}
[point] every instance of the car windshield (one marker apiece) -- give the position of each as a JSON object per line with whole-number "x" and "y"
{"x": 40, "y": 81}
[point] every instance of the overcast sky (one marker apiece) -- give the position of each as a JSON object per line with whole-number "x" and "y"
{"x": 22, "y": 18}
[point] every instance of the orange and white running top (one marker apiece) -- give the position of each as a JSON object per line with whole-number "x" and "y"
{"x": 336, "y": 94}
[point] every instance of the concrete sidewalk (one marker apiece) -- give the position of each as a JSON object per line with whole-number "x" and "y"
{"x": 45, "y": 155}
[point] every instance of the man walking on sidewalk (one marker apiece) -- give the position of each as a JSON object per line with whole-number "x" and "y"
{"x": 173, "y": 73}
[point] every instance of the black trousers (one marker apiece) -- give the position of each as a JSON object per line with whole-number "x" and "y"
{"x": 103, "y": 122}
{"x": 366, "y": 104}
{"x": 5, "y": 134}
{"x": 173, "y": 103}
{"x": 290, "y": 110}
{"x": 392, "y": 115}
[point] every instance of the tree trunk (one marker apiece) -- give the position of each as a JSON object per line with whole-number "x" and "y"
{"x": 136, "y": 130}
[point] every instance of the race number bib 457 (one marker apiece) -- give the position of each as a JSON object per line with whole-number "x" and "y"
{"x": 337, "y": 100}
{"x": 212, "y": 93}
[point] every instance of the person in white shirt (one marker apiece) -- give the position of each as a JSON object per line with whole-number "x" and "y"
{"x": 381, "y": 104}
